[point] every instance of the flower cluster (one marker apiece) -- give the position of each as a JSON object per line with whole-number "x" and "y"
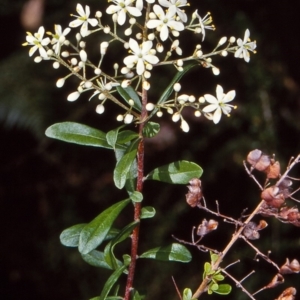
{"x": 148, "y": 46}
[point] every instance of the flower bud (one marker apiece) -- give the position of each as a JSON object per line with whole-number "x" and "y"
{"x": 100, "y": 109}
{"x": 184, "y": 126}
{"x": 222, "y": 41}
{"x": 98, "y": 14}
{"x": 177, "y": 87}
{"x": 128, "y": 119}
{"x": 73, "y": 96}
{"x": 216, "y": 71}
{"x": 38, "y": 59}
{"x": 150, "y": 106}
{"x": 159, "y": 114}
{"x": 60, "y": 82}
{"x": 120, "y": 118}
{"x": 128, "y": 31}
{"x": 83, "y": 55}
{"x": 176, "y": 117}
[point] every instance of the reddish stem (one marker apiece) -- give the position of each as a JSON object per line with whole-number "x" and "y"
{"x": 137, "y": 205}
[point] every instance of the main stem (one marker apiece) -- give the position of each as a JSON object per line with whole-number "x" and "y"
{"x": 137, "y": 205}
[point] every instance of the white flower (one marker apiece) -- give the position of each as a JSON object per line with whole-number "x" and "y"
{"x": 140, "y": 5}
{"x": 83, "y": 20}
{"x": 219, "y": 104}
{"x": 141, "y": 56}
{"x": 164, "y": 22}
{"x": 204, "y": 23}
{"x": 121, "y": 7}
{"x": 58, "y": 38}
{"x": 37, "y": 41}
{"x": 244, "y": 46}
{"x": 176, "y": 4}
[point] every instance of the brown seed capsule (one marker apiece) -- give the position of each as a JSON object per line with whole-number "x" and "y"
{"x": 253, "y": 157}
{"x": 277, "y": 279}
{"x": 273, "y": 196}
{"x": 288, "y": 294}
{"x": 273, "y": 171}
{"x": 290, "y": 267}
{"x": 195, "y": 194}
{"x": 206, "y": 227}
{"x": 250, "y": 231}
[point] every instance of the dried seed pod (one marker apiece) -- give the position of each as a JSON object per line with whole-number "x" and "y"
{"x": 258, "y": 160}
{"x": 288, "y": 294}
{"x": 261, "y": 225}
{"x": 253, "y": 157}
{"x": 277, "y": 279}
{"x": 250, "y": 231}
{"x": 290, "y": 267}
{"x": 195, "y": 194}
{"x": 273, "y": 171}
{"x": 273, "y": 196}
{"x": 206, "y": 227}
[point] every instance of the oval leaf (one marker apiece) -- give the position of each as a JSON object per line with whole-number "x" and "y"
{"x": 180, "y": 172}
{"x": 111, "y": 281}
{"x": 124, "y": 164}
{"x": 148, "y": 212}
{"x": 129, "y": 93}
{"x": 126, "y": 136}
{"x": 136, "y": 196}
{"x": 151, "y": 129}
{"x": 70, "y": 236}
{"x": 173, "y": 252}
{"x": 93, "y": 234}
{"x": 187, "y": 294}
{"x": 96, "y": 259}
{"x": 112, "y": 136}
{"x": 223, "y": 289}
{"x": 76, "y": 133}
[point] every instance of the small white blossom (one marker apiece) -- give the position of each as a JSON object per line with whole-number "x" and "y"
{"x": 83, "y": 20}
{"x": 58, "y": 38}
{"x": 150, "y": 106}
{"x": 141, "y": 56}
{"x": 244, "y": 46}
{"x": 205, "y": 23}
{"x": 164, "y": 22}
{"x": 120, "y": 8}
{"x": 38, "y": 41}
{"x": 176, "y": 3}
{"x": 219, "y": 104}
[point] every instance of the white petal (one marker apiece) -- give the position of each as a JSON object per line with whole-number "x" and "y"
{"x": 164, "y": 3}
{"x": 151, "y": 59}
{"x": 140, "y": 67}
{"x": 229, "y": 96}
{"x": 210, "y": 99}
{"x": 146, "y": 46}
{"x": 75, "y": 23}
{"x": 210, "y": 108}
{"x": 217, "y": 116}
{"x": 134, "y": 11}
{"x": 139, "y": 4}
{"x": 247, "y": 35}
{"x": 87, "y": 11}
{"x": 80, "y": 10}
{"x": 130, "y": 60}
{"x": 153, "y": 23}
{"x": 121, "y": 17}
{"x": 112, "y": 9}
{"x": 93, "y": 22}
{"x": 41, "y": 32}
{"x": 176, "y": 25}
{"x": 182, "y": 15}
{"x": 164, "y": 32}
{"x": 134, "y": 46}
{"x": 158, "y": 11}
{"x": 219, "y": 91}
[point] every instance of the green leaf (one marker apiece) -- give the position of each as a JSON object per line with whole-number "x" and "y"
{"x": 70, "y": 236}
{"x": 124, "y": 164}
{"x": 79, "y": 134}
{"x": 223, "y": 289}
{"x": 169, "y": 90}
{"x": 136, "y": 196}
{"x": 173, "y": 252}
{"x": 187, "y": 294}
{"x": 180, "y": 172}
{"x": 148, "y": 212}
{"x": 214, "y": 257}
{"x": 218, "y": 277}
{"x": 93, "y": 234}
{"x": 136, "y": 295}
{"x": 96, "y": 259}
{"x": 109, "y": 249}
{"x": 126, "y": 136}
{"x": 109, "y": 298}
{"x": 151, "y": 129}
{"x": 111, "y": 281}
{"x": 112, "y": 136}
{"x": 129, "y": 93}
{"x": 207, "y": 268}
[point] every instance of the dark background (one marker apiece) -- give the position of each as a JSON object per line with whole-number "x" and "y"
{"x": 47, "y": 186}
